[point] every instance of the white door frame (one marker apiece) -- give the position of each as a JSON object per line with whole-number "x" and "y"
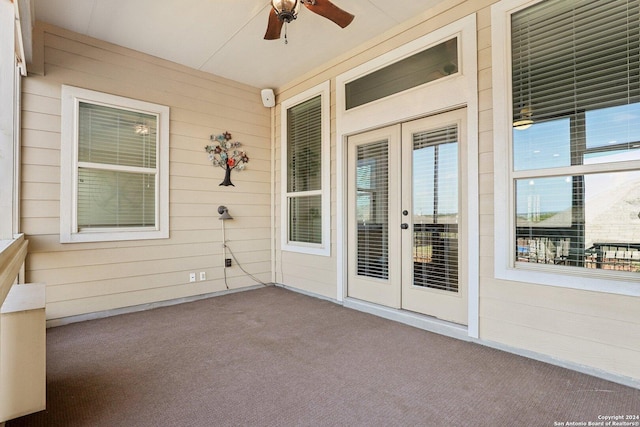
{"x": 457, "y": 90}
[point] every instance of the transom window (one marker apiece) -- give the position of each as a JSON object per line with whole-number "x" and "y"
{"x": 423, "y": 67}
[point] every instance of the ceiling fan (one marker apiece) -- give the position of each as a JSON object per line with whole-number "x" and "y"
{"x": 285, "y": 11}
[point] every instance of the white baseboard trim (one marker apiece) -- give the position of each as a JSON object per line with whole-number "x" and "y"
{"x": 307, "y": 293}
{"x": 52, "y": 323}
{"x": 583, "y": 369}
{"x": 420, "y": 321}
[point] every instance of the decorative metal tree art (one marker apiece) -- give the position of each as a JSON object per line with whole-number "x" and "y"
{"x": 224, "y": 153}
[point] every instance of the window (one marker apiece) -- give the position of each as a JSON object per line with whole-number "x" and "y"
{"x": 114, "y": 168}
{"x": 573, "y": 175}
{"x": 423, "y": 67}
{"x": 305, "y": 168}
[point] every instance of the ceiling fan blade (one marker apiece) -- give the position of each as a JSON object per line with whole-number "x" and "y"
{"x": 274, "y": 26}
{"x": 330, "y": 11}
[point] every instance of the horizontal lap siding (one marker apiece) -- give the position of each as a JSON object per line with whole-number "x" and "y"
{"x": 88, "y": 277}
{"x": 587, "y": 328}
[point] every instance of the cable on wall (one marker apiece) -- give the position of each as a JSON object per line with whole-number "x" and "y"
{"x": 224, "y": 216}
{"x": 241, "y": 268}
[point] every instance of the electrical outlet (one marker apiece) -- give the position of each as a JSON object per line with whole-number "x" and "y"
{"x": 203, "y": 275}
{"x": 192, "y": 277}
{"x": 227, "y": 262}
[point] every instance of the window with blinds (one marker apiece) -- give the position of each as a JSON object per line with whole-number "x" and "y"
{"x": 576, "y": 161}
{"x": 116, "y": 168}
{"x": 304, "y": 171}
{"x": 435, "y": 209}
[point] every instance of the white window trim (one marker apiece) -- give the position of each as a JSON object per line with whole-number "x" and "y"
{"x": 11, "y": 70}
{"x": 324, "y": 248}
{"x": 71, "y": 97}
{"x": 436, "y": 96}
{"x": 601, "y": 281}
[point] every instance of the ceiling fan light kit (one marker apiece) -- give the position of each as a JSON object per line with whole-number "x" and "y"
{"x": 284, "y": 11}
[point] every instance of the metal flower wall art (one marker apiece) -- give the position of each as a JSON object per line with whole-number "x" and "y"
{"x": 226, "y": 154}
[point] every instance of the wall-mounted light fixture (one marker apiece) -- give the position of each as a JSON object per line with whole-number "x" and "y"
{"x": 224, "y": 213}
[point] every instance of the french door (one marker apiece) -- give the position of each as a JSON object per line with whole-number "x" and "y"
{"x": 405, "y": 206}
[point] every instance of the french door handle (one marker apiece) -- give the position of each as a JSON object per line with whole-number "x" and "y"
{"x": 404, "y": 226}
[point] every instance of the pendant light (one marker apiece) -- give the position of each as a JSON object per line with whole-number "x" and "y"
{"x": 525, "y": 118}
{"x": 524, "y": 121}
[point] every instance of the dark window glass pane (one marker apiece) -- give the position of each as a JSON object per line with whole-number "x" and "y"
{"x": 435, "y": 209}
{"x": 117, "y": 137}
{"x": 305, "y": 219}
{"x": 110, "y": 199}
{"x": 423, "y": 67}
{"x": 304, "y": 146}
{"x": 372, "y": 177}
{"x": 589, "y": 221}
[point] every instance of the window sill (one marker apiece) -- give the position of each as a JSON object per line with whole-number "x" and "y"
{"x": 308, "y": 250}
{"x": 111, "y": 236}
{"x": 619, "y": 283}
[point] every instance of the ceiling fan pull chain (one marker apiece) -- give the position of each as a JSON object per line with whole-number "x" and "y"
{"x": 286, "y": 41}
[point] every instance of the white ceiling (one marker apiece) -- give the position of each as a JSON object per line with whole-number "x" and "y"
{"x": 225, "y": 37}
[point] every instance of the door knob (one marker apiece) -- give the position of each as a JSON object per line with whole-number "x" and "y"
{"x": 404, "y": 226}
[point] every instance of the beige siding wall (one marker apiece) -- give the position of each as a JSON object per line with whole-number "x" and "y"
{"x": 600, "y": 331}
{"x": 83, "y": 278}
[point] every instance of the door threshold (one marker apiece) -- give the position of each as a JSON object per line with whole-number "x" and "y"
{"x": 410, "y": 318}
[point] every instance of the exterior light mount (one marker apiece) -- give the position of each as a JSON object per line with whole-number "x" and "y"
{"x": 224, "y": 213}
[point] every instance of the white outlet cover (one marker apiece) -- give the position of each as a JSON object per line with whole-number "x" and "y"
{"x": 203, "y": 275}
{"x": 192, "y": 277}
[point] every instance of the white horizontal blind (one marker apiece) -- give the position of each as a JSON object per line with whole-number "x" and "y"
{"x": 435, "y": 208}
{"x": 115, "y": 199}
{"x": 372, "y": 201}
{"x": 305, "y": 223}
{"x": 304, "y": 133}
{"x": 576, "y": 68}
{"x": 304, "y": 171}
{"x": 117, "y": 157}
{"x": 116, "y": 136}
